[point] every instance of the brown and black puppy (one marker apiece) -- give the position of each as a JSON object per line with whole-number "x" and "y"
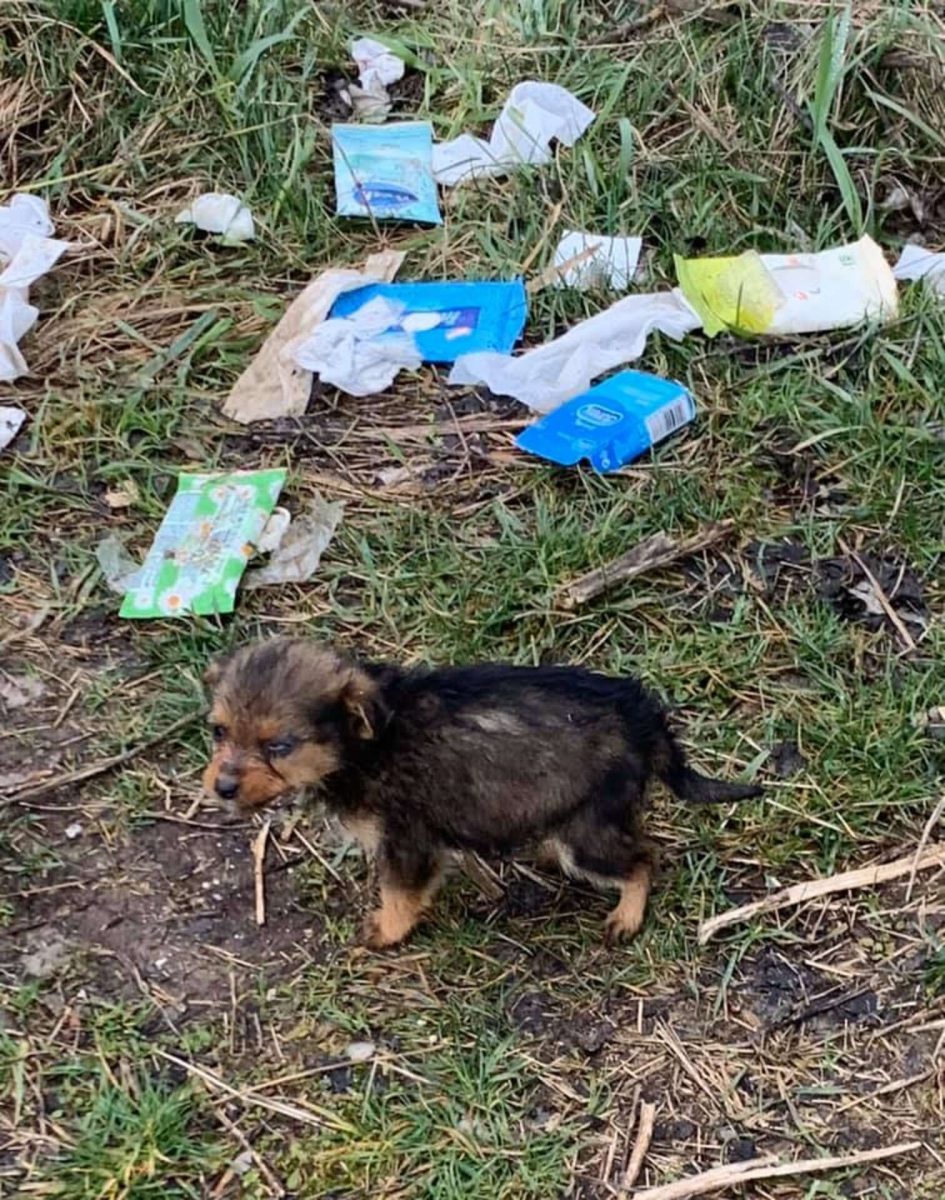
{"x": 418, "y": 763}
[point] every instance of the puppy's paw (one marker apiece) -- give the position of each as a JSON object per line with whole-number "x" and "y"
{"x": 621, "y": 926}
{"x": 379, "y": 933}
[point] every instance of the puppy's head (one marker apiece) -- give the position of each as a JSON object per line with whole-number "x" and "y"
{"x": 283, "y": 714}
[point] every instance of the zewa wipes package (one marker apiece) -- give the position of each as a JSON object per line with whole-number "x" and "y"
{"x": 790, "y": 293}
{"x": 612, "y": 423}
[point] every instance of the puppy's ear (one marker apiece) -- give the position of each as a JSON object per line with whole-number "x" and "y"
{"x": 361, "y": 699}
{"x": 214, "y": 671}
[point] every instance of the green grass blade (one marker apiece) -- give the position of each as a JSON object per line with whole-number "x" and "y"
{"x": 193, "y": 19}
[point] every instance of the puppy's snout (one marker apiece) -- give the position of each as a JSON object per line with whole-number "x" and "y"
{"x": 226, "y": 787}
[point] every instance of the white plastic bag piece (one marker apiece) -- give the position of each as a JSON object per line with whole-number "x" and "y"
{"x": 24, "y": 214}
{"x": 590, "y": 260}
{"x": 219, "y": 212}
{"x": 545, "y": 377}
{"x": 118, "y": 567}
{"x": 377, "y": 66}
{"x": 533, "y": 115}
{"x": 916, "y": 262}
{"x": 349, "y": 353}
{"x": 11, "y": 421}
{"x": 295, "y": 559}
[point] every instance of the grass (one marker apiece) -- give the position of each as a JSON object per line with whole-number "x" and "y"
{"x": 509, "y": 1046}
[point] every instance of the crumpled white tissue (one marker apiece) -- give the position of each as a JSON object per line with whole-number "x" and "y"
{"x": 533, "y": 115}
{"x": 349, "y": 353}
{"x": 916, "y": 262}
{"x": 545, "y": 377}
{"x": 219, "y": 212}
{"x": 26, "y": 253}
{"x": 378, "y": 67}
{"x": 602, "y": 262}
{"x": 24, "y": 214}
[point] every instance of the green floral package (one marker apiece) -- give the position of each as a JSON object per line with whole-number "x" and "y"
{"x": 207, "y": 536}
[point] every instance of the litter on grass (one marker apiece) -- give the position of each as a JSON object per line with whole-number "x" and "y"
{"x": 274, "y": 385}
{"x": 534, "y": 115}
{"x": 348, "y": 352}
{"x": 25, "y": 214}
{"x": 119, "y": 569}
{"x": 612, "y": 423}
{"x": 545, "y": 377}
{"x": 201, "y": 549}
{"x": 781, "y": 294}
{"x": 27, "y": 252}
{"x": 385, "y": 172}
{"x": 589, "y": 260}
{"x": 916, "y": 262}
{"x": 447, "y": 319}
{"x": 11, "y": 422}
{"x": 773, "y": 294}
{"x": 378, "y": 68}
{"x": 219, "y": 212}
{"x": 296, "y": 557}
{"x": 271, "y": 537}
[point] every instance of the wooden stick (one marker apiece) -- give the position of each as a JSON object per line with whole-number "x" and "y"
{"x": 732, "y": 1174}
{"x": 846, "y": 881}
{"x": 275, "y": 1184}
{"x": 259, "y": 875}
{"x": 83, "y": 774}
{"x": 640, "y": 1146}
{"x": 884, "y": 602}
{"x": 292, "y": 1111}
{"x": 550, "y": 274}
{"x": 656, "y": 551}
{"x": 923, "y": 840}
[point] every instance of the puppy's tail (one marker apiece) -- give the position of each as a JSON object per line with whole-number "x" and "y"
{"x": 689, "y": 785}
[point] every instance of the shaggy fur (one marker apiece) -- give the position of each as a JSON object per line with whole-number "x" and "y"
{"x": 486, "y": 758}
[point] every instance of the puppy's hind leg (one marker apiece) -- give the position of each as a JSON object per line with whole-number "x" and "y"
{"x": 410, "y": 872}
{"x": 612, "y": 856}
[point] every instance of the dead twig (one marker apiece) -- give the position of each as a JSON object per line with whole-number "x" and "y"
{"x": 280, "y": 1107}
{"x": 923, "y": 841}
{"x": 657, "y": 551}
{"x": 904, "y": 635}
{"x": 84, "y": 774}
{"x": 732, "y": 1174}
{"x": 275, "y": 1184}
{"x": 846, "y": 881}
{"x": 259, "y": 874}
{"x": 640, "y": 1146}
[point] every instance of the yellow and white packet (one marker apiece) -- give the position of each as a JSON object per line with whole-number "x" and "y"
{"x": 781, "y": 294}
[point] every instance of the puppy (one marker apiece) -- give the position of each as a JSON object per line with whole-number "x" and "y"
{"x": 419, "y": 763}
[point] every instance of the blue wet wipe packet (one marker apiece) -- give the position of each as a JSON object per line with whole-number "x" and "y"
{"x": 612, "y": 423}
{"x": 385, "y": 172}
{"x": 448, "y": 319}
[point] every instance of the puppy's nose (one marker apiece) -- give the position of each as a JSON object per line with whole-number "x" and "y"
{"x": 226, "y": 788}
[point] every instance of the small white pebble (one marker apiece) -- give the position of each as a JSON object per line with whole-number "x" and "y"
{"x": 74, "y": 830}
{"x": 360, "y": 1051}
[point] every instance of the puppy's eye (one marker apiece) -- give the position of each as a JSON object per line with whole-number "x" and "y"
{"x": 218, "y": 732}
{"x": 280, "y": 747}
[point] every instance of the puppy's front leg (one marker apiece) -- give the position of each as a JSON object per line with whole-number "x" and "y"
{"x": 410, "y": 871}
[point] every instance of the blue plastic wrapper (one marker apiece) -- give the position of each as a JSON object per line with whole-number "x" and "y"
{"x": 385, "y": 172}
{"x": 612, "y": 423}
{"x": 448, "y": 319}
